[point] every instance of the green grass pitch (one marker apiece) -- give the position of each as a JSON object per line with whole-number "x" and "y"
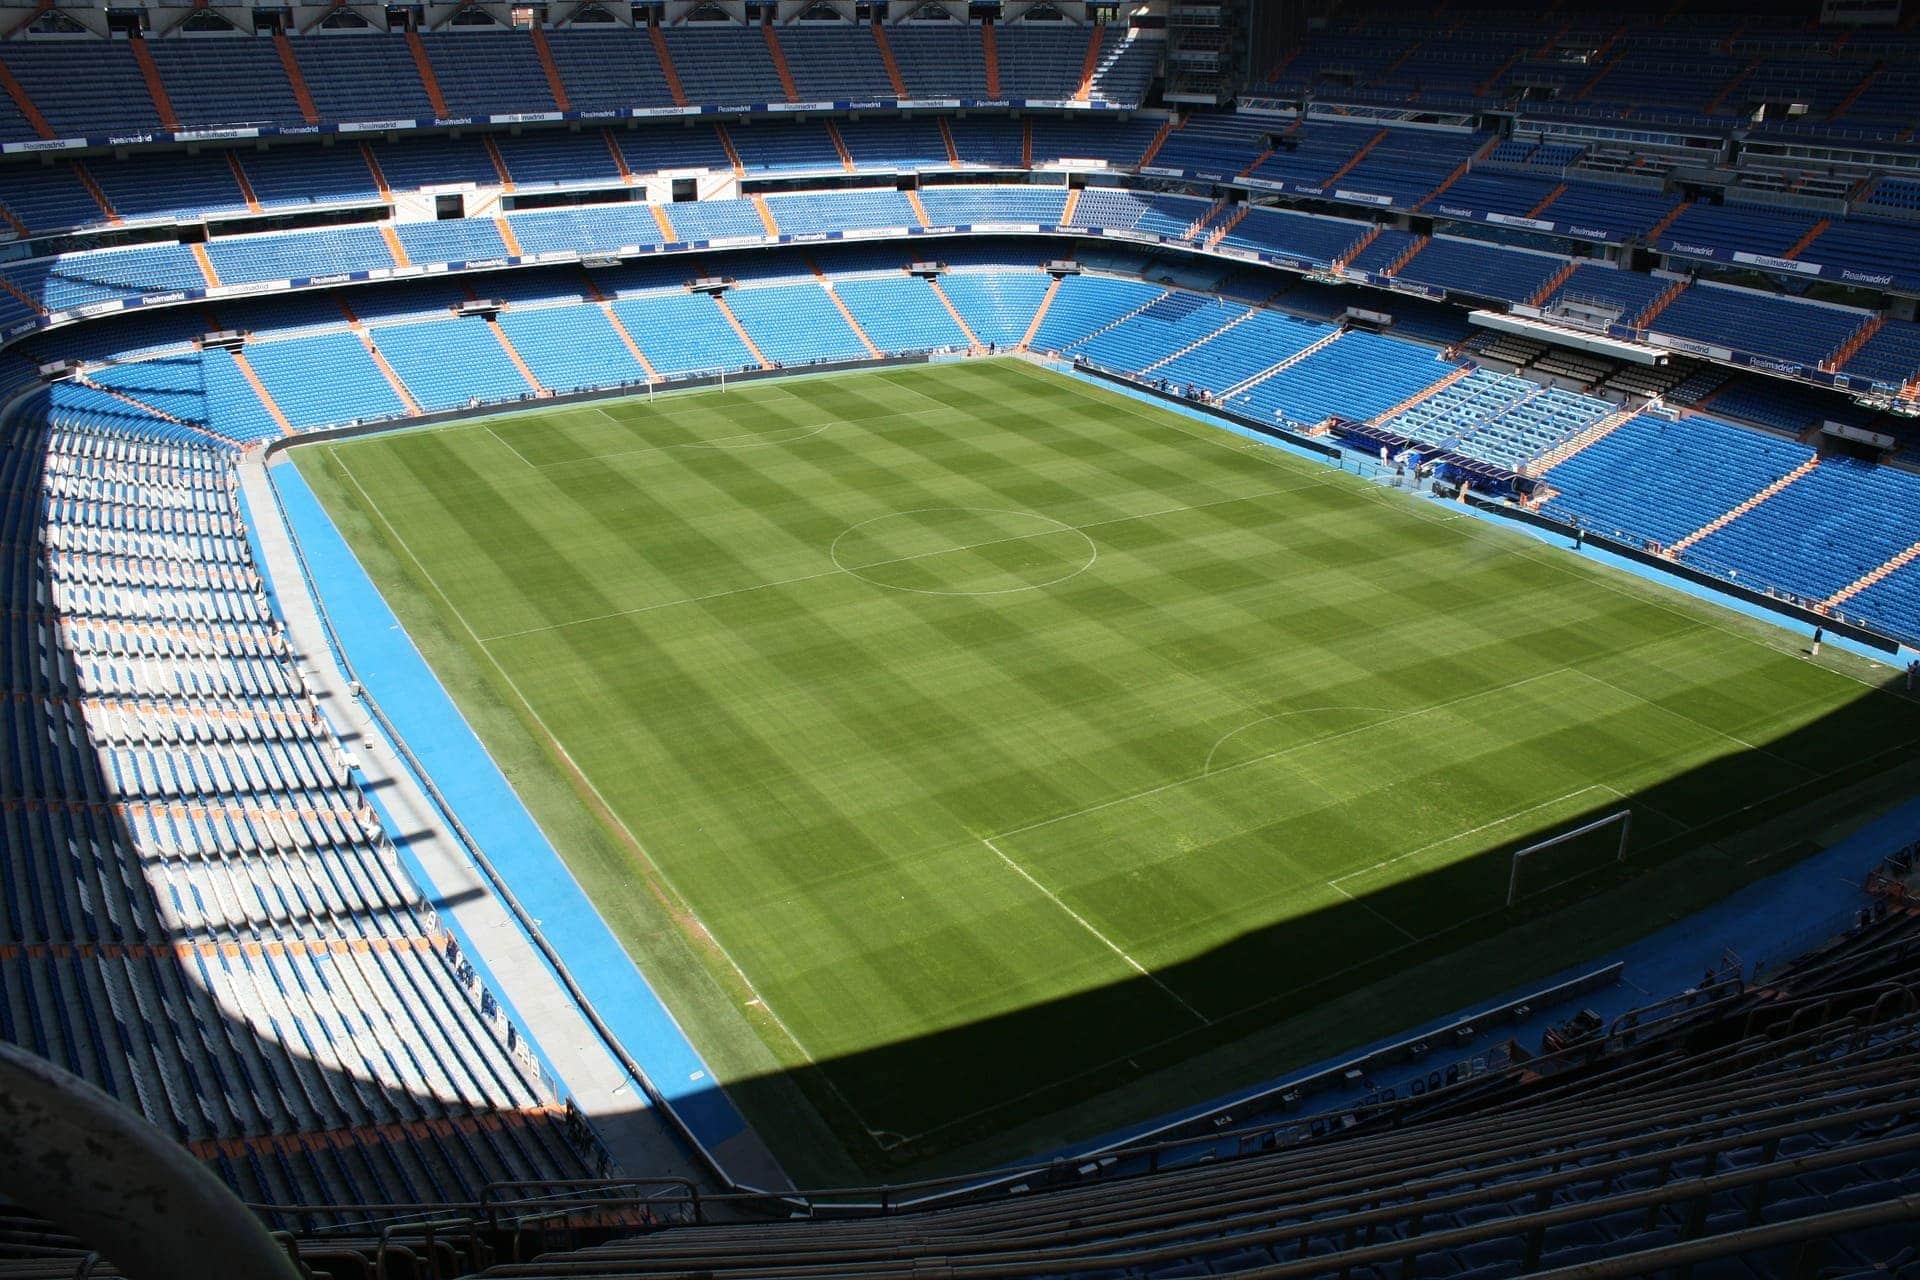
{"x": 962, "y": 741}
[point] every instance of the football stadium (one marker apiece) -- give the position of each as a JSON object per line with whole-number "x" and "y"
{"x": 1030, "y": 638}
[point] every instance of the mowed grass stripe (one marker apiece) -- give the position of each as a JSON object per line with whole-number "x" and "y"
{"x": 1249, "y": 683}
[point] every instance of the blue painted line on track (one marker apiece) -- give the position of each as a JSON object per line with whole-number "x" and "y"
{"x": 396, "y": 676}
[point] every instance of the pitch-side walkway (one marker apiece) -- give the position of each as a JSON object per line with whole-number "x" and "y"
{"x": 640, "y": 1138}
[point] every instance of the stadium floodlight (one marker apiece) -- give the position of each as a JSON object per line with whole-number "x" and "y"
{"x": 1520, "y": 856}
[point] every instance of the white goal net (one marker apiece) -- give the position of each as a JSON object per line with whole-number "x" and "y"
{"x": 1569, "y": 855}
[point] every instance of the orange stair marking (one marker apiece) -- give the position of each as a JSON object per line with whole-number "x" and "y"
{"x": 555, "y": 85}
{"x": 766, "y": 216}
{"x": 389, "y": 372}
{"x": 373, "y": 167}
{"x": 1089, "y": 64}
{"x": 893, "y": 68}
{"x": 1805, "y": 242}
{"x": 840, "y": 145}
{"x": 398, "y": 250}
{"x": 205, "y": 263}
{"x": 1033, "y": 327}
{"x": 633, "y": 348}
{"x": 1159, "y": 141}
{"x": 779, "y": 56}
{"x": 746, "y": 339}
{"x": 667, "y": 230}
{"x": 22, "y": 100}
{"x": 506, "y": 345}
{"x": 847, "y": 315}
{"x": 296, "y": 79}
{"x": 665, "y": 56}
{"x": 1354, "y": 160}
{"x": 240, "y": 176}
{"x": 1714, "y": 526}
{"x": 954, "y": 311}
{"x": 507, "y": 237}
{"x": 619, "y": 157}
{"x": 990, "y": 55}
{"x": 260, "y": 389}
{"x": 428, "y": 81}
{"x": 93, "y": 189}
{"x": 162, "y": 104}
{"x": 499, "y": 162}
{"x": 733, "y": 157}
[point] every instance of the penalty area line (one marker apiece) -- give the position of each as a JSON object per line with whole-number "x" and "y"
{"x": 1105, "y": 941}
{"x": 1461, "y": 835}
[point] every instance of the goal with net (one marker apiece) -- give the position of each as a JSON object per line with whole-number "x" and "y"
{"x": 1568, "y": 856}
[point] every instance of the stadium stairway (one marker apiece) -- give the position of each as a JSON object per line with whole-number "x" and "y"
{"x": 973, "y": 342}
{"x": 1425, "y": 393}
{"x": 1407, "y": 255}
{"x": 1592, "y": 435}
{"x": 519, "y": 362}
{"x": 1040, "y": 314}
{"x": 1199, "y": 342}
{"x": 260, "y": 389}
{"x": 1090, "y": 63}
{"x": 740, "y": 330}
{"x": 1280, "y": 366}
{"x": 779, "y": 56}
{"x": 23, "y": 101}
{"x": 1353, "y": 161}
{"x": 428, "y": 80}
{"x": 156, "y": 89}
{"x": 1861, "y": 336}
{"x": 1645, "y": 319}
{"x": 1225, "y": 229}
{"x": 1159, "y": 140}
{"x": 669, "y": 71}
{"x": 1721, "y": 522}
{"x": 389, "y": 373}
{"x": 556, "y": 84}
{"x": 840, "y": 305}
{"x": 893, "y": 75}
{"x": 1887, "y": 570}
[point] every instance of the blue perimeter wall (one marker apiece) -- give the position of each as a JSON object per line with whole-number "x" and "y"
{"x": 394, "y": 674}
{"x": 1769, "y": 921}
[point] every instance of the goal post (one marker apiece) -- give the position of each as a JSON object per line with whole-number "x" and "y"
{"x": 1589, "y": 835}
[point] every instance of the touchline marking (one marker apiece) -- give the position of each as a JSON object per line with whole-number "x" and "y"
{"x": 1372, "y": 910}
{"x": 1657, "y": 594}
{"x": 1105, "y": 941}
{"x": 502, "y": 441}
{"x": 599, "y": 797}
{"x": 1681, "y": 715}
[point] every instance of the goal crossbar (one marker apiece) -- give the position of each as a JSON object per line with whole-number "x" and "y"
{"x": 1624, "y": 817}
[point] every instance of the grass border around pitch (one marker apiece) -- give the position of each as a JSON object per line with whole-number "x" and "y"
{"x": 710, "y": 1001}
